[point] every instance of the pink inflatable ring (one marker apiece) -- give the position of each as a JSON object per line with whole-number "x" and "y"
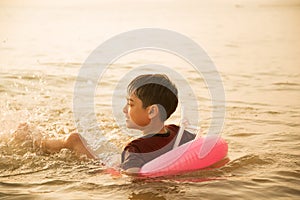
{"x": 194, "y": 155}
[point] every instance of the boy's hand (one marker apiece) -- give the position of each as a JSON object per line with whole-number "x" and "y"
{"x": 113, "y": 172}
{"x": 132, "y": 171}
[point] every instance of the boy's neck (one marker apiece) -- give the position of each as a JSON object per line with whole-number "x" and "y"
{"x": 159, "y": 128}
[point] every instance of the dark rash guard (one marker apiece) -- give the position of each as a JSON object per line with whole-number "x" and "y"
{"x": 144, "y": 149}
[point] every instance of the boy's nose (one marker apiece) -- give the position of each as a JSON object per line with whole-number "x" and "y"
{"x": 125, "y": 109}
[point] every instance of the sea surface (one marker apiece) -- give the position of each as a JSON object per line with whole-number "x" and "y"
{"x": 255, "y": 46}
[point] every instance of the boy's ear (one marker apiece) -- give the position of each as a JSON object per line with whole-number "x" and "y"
{"x": 153, "y": 111}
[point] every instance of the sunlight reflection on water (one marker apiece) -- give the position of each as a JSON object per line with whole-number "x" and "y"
{"x": 254, "y": 44}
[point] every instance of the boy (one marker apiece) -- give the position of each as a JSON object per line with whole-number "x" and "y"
{"x": 152, "y": 98}
{"x": 150, "y": 102}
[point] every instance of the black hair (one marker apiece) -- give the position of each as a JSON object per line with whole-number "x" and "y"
{"x": 155, "y": 89}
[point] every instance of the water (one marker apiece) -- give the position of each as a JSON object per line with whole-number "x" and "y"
{"x": 254, "y": 44}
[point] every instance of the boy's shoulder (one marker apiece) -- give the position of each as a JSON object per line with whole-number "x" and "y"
{"x": 173, "y": 129}
{"x": 152, "y": 141}
{"x": 186, "y": 136}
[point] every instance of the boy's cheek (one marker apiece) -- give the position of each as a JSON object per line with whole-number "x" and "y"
{"x": 141, "y": 122}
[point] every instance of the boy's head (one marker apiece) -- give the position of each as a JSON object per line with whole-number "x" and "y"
{"x": 155, "y": 89}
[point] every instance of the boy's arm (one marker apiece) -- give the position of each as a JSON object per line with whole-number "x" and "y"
{"x": 75, "y": 142}
{"x": 78, "y": 144}
{"x": 132, "y": 161}
{"x": 132, "y": 171}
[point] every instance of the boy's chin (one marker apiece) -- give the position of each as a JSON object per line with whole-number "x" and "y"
{"x": 132, "y": 126}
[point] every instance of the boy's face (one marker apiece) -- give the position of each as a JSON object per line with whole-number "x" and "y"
{"x": 136, "y": 116}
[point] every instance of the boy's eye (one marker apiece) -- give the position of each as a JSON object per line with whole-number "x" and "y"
{"x": 129, "y": 102}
